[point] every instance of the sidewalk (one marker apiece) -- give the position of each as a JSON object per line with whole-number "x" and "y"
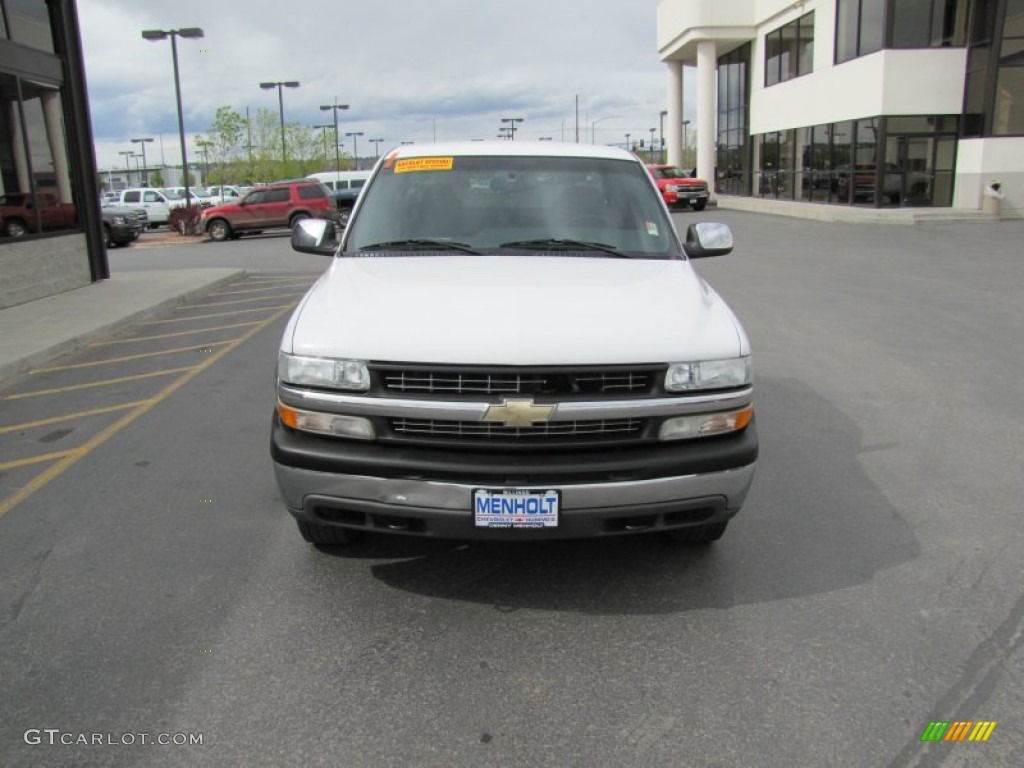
{"x": 40, "y": 330}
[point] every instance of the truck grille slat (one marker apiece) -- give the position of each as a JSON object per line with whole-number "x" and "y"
{"x": 485, "y": 430}
{"x": 527, "y": 383}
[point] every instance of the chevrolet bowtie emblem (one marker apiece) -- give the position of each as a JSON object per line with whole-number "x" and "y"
{"x": 518, "y": 413}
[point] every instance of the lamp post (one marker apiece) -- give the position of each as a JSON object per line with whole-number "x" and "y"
{"x": 204, "y": 147}
{"x": 355, "y": 145}
{"x": 652, "y": 145}
{"x": 685, "y": 123}
{"x": 337, "y": 139}
{"x": 504, "y": 133}
{"x": 376, "y": 147}
{"x": 145, "y": 169}
{"x": 127, "y": 168}
{"x": 512, "y": 124}
{"x": 627, "y": 141}
{"x": 593, "y": 123}
{"x": 661, "y": 133}
{"x": 325, "y": 126}
{"x": 281, "y": 85}
{"x": 162, "y": 34}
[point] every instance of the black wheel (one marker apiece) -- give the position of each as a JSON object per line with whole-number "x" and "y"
{"x": 699, "y": 534}
{"x": 700, "y": 205}
{"x": 297, "y": 218}
{"x": 218, "y": 230}
{"x": 326, "y": 534}
{"x": 154, "y": 225}
{"x": 15, "y": 228}
{"x": 106, "y": 236}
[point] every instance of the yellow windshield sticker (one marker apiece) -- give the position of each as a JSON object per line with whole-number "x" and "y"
{"x": 412, "y": 164}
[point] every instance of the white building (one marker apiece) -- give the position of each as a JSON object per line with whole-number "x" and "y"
{"x": 855, "y": 102}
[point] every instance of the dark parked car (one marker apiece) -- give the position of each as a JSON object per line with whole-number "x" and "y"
{"x": 122, "y": 225}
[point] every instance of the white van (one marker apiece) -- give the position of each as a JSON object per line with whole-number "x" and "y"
{"x": 158, "y": 206}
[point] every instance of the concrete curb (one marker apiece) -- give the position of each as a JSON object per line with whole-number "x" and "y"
{"x": 98, "y": 316}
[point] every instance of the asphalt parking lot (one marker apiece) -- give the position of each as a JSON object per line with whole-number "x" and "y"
{"x": 151, "y": 582}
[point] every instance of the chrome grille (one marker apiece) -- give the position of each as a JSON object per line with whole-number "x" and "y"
{"x": 521, "y": 382}
{"x": 486, "y": 431}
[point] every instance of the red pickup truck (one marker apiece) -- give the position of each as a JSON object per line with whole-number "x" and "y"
{"x": 679, "y": 188}
{"x": 18, "y": 215}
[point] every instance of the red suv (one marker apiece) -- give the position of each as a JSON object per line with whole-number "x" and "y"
{"x": 679, "y": 188}
{"x": 276, "y": 205}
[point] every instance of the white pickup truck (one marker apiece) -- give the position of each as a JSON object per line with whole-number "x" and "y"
{"x": 511, "y": 344}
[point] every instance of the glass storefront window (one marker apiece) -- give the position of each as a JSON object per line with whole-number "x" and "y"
{"x": 29, "y": 22}
{"x": 35, "y": 180}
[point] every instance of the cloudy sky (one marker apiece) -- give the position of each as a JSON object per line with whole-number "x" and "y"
{"x": 406, "y": 68}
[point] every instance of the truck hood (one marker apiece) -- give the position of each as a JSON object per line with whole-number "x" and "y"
{"x": 513, "y": 310}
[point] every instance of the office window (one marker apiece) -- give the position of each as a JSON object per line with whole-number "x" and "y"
{"x": 29, "y": 23}
{"x": 789, "y": 50}
{"x": 928, "y": 23}
{"x": 1008, "y": 113}
{"x": 35, "y": 177}
{"x": 860, "y": 28}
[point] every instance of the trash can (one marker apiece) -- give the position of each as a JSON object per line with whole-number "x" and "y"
{"x": 991, "y": 198}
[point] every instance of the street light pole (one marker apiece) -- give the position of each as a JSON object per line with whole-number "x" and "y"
{"x": 593, "y": 124}
{"x": 127, "y": 168}
{"x": 652, "y": 145}
{"x": 281, "y": 85}
{"x": 145, "y": 168}
{"x": 627, "y": 141}
{"x": 204, "y": 147}
{"x": 337, "y": 139}
{"x": 355, "y": 145}
{"x": 376, "y": 147}
{"x": 160, "y": 34}
{"x": 661, "y": 133}
{"x": 685, "y": 123}
{"x": 325, "y": 126}
{"x": 512, "y": 123}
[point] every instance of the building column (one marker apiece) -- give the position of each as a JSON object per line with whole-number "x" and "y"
{"x": 674, "y": 137}
{"x": 18, "y": 148}
{"x": 53, "y": 118}
{"x": 707, "y": 62}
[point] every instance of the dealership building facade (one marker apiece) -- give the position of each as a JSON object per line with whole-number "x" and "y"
{"x": 880, "y": 103}
{"x": 51, "y": 236}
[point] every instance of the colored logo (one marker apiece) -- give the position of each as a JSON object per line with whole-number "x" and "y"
{"x": 959, "y": 730}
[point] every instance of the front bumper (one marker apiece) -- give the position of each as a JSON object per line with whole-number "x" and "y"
{"x": 357, "y": 485}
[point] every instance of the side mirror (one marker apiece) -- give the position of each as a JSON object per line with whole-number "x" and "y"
{"x": 707, "y": 238}
{"x": 314, "y": 236}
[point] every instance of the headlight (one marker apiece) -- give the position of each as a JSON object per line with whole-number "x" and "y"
{"x": 335, "y": 424}
{"x": 705, "y": 424}
{"x": 117, "y": 220}
{"x": 672, "y": 187}
{"x": 323, "y": 372}
{"x": 709, "y": 374}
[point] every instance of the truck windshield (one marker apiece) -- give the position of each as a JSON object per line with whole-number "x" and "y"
{"x": 484, "y": 203}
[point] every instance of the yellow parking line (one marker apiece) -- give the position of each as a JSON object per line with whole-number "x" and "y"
{"x": 242, "y": 301}
{"x": 105, "y": 382}
{"x": 216, "y": 314}
{"x": 71, "y": 416}
{"x": 107, "y": 361}
{"x": 36, "y": 459}
{"x": 252, "y": 290}
{"x": 169, "y": 335}
{"x": 55, "y": 470}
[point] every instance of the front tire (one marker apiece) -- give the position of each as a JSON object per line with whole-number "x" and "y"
{"x": 700, "y": 205}
{"x": 15, "y": 228}
{"x": 326, "y": 534}
{"x": 218, "y": 230}
{"x": 698, "y": 534}
{"x": 106, "y": 236}
{"x": 296, "y": 219}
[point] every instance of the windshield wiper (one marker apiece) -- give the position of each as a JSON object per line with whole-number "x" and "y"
{"x": 561, "y": 244}
{"x": 421, "y": 243}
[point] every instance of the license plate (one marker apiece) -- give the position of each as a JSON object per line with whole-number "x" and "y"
{"x": 693, "y": 200}
{"x": 515, "y": 508}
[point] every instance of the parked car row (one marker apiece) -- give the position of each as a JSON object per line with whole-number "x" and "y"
{"x": 22, "y": 213}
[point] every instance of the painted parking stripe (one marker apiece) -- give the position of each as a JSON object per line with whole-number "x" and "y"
{"x": 71, "y": 416}
{"x": 36, "y": 459}
{"x": 104, "y": 383}
{"x": 125, "y": 358}
{"x": 171, "y": 335}
{"x": 62, "y": 465}
{"x": 255, "y": 290}
{"x": 243, "y": 301}
{"x": 215, "y": 314}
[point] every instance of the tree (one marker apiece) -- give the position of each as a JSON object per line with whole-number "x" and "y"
{"x": 225, "y": 137}
{"x": 156, "y": 179}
